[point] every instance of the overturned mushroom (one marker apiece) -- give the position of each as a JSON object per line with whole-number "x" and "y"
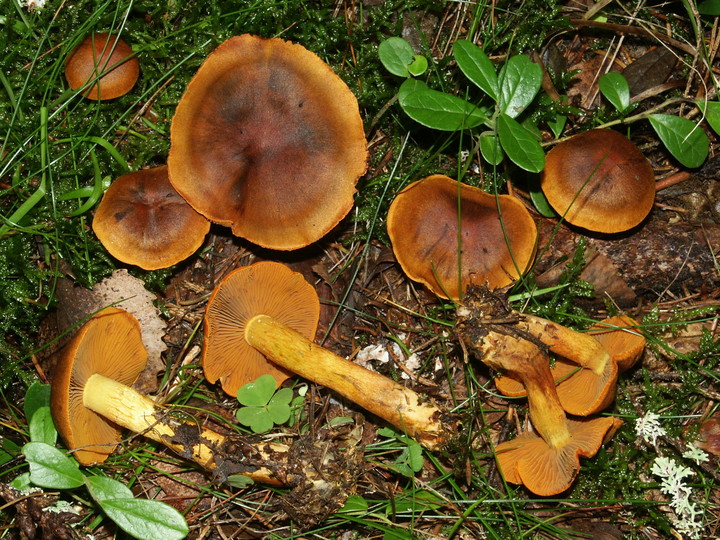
{"x": 449, "y": 235}
{"x": 142, "y": 220}
{"x": 230, "y": 320}
{"x": 268, "y": 140}
{"x": 105, "y": 59}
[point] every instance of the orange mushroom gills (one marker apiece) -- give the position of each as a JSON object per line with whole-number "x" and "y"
{"x": 268, "y": 140}
{"x": 495, "y": 247}
{"x": 600, "y": 181}
{"x": 106, "y": 56}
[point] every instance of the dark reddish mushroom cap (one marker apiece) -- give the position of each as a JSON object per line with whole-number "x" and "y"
{"x": 268, "y": 140}
{"x": 497, "y": 246}
{"x": 105, "y": 56}
{"x": 109, "y": 344}
{"x": 264, "y": 288}
{"x": 600, "y": 181}
{"x": 142, "y": 220}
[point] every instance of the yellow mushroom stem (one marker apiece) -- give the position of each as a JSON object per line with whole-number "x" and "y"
{"x": 138, "y": 413}
{"x": 524, "y": 361}
{"x": 400, "y": 406}
{"x": 582, "y": 349}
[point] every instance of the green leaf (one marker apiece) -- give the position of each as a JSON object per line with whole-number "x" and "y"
{"x": 355, "y": 504}
{"x": 520, "y": 80}
{"x": 239, "y": 481}
{"x": 557, "y": 125}
{"x": 616, "y": 90}
{"x": 36, "y": 396}
{"x": 258, "y": 392}
{"x": 438, "y": 110}
{"x": 279, "y": 413}
{"x": 418, "y": 66}
{"x": 477, "y": 67}
{"x": 520, "y": 145}
{"x": 712, "y": 113}
{"x": 50, "y": 468}
{"x": 102, "y": 488}
{"x": 490, "y": 148}
{"x": 408, "y": 86}
{"x": 415, "y": 458}
{"x": 709, "y": 7}
{"x": 145, "y": 519}
{"x": 686, "y": 141}
{"x": 22, "y": 482}
{"x": 541, "y": 203}
{"x": 42, "y": 427}
{"x": 8, "y": 450}
{"x": 396, "y": 55}
{"x": 256, "y": 418}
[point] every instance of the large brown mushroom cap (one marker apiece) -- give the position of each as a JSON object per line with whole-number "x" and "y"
{"x": 620, "y": 336}
{"x": 142, "y": 220}
{"x": 268, "y": 140}
{"x": 109, "y": 344}
{"x": 423, "y": 226}
{"x": 105, "y": 56}
{"x": 600, "y": 181}
{"x": 264, "y": 288}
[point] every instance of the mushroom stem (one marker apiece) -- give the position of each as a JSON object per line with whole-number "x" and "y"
{"x": 583, "y": 349}
{"x": 398, "y": 405}
{"x": 138, "y": 413}
{"x": 524, "y": 361}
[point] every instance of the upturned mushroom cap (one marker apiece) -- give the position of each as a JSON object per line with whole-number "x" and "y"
{"x": 423, "y": 225}
{"x": 109, "y": 344}
{"x": 108, "y": 57}
{"x": 600, "y": 181}
{"x": 142, "y": 220}
{"x": 264, "y": 288}
{"x": 268, "y": 140}
{"x": 620, "y": 336}
{"x": 527, "y": 459}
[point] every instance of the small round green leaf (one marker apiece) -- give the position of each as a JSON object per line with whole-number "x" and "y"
{"x": 51, "y": 468}
{"x": 520, "y": 145}
{"x": 441, "y": 111}
{"x": 239, "y": 481}
{"x": 615, "y": 88}
{"x": 256, "y": 418}
{"x": 102, "y": 488}
{"x": 490, "y": 148}
{"x": 419, "y": 65}
{"x": 258, "y": 392}
{"x": 145, "y": 519}
{"x": 686, "y": 140}
{"x": 396, "y": 55}
{"x": 279, "y": 412}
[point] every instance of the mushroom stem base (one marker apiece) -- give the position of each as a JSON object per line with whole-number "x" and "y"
{"x": 396, "y": 404}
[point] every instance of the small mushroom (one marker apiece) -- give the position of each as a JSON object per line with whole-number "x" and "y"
{"x": 142, "y": 220}
{"x": 268, "y": 140}
{"x": 548, "y": 460}
{"x": 600, "y": 181}
{"x": 266, "y": 324}
{"x": 105, "y": 60}
{"x": 449, "y": 235}
{"x": 91, "y": 399}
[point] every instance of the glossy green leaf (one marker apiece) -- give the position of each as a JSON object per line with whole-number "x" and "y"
{"x": 396, "y": 55}
{"x": 36, "y": 396}
{"x": 686, "y": 141}
{"x": 51, "y": 468}
{"x": 541, "y": 203}
{"x": 146, "y": 519}
{"x": 520, "y": 80}
{"x": 490, "y": 148}
{"x": 616, "y": 90}
{"x": 712, "y": 114}
{"x": 256, "y": 418}
{"x": 477, "y": 67}
{"x": 408, "y": 86}
{"x": 258, "y": 392}
{"x": 42, "y": 427}
{"x": 438, "y": 110}
{"x": 557, "y": 125}
{"x": 418, "y": 66}
{"x": 102, "y": 488}
{"x": 520, "y": 145}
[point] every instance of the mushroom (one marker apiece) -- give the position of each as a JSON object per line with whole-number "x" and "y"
{"x": 266, "y": 323}
{"x": 142, "y": 220}
{"x": 106, "y": 61}
{"x": 600, "y": 181}
{"x": 548, "y": 460}
{"x": 590, "y": 388}
{"x": 449, "y": 235}
{"x": 91, "y": 399}
{"x": 268, "y": 140}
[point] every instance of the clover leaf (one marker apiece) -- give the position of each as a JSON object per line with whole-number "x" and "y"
{"x": 263, "y": 406}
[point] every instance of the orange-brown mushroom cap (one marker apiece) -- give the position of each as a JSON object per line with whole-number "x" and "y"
{"x": 142, "y": 220}
{"x": 620, "y": 336}
{"x": 109, "y": 344}
{"x": 546, "y": 471}
{"x": 268, "y": 140}
{"x": 105, "y": 56}
{"x": 264, "y": 288}
{"x": 496, "y": 247}
{"x": 600, "y": 181}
